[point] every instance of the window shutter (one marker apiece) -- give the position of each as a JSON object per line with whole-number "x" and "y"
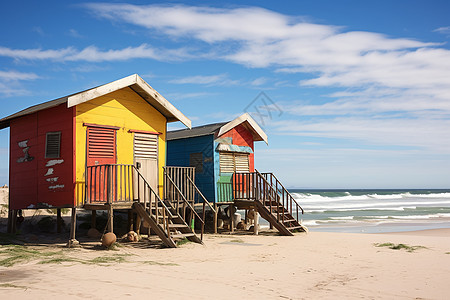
{"x": 241, "y": 163}
{"x": 145, "y": 146}
{"x": 101, "y": 142}
{"x": 226, "y": 162}
{"x": 53, "y": 144}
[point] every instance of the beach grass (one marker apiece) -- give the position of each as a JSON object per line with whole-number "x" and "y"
{"x": 10, "y": 285}
{"x": 236, "y": 241}
{"x": 400, "y": 246}
{"x": 16, "y": 254}
{"x": 182, "y": 242}
{"x": 19, "y": 254}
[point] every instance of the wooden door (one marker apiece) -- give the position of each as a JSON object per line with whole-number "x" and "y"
{"x": 146, "y": 161}
{"x": 101, "y": 150}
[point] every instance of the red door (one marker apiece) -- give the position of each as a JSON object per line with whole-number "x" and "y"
{"x": 101, "y": 156}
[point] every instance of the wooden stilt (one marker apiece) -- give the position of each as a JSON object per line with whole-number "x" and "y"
{"x": 94, "y": 219}
{"x": 12, "y": 221}
{"x": 215, "y": 217}
{"x": 130, "y": 220}
{"x": 232, "y": 211}
{"x": 58, "y": 220}
{"x": 138, "y": 224}
{"x": 110, "y": 219}
{"x": 73, "y": 225}
{"x": 256, "y": 222}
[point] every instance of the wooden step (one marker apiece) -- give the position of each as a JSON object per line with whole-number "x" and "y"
{"x": 288, "y": 220}
{"x": 182, "y": 235}
{"x": 178, "y": 226}
{"x": 294, "y": 227}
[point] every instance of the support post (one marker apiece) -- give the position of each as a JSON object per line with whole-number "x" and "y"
{"x": 110, "y": 218}
{"x": 130, "y": 220}
{"x": 94, "y": 219}
{"x": 12, "y": 221}
{"x": 256, "y": 222}
{"x": 73, "y": 225}
{"x": 58, "y": 220}
{"x": 215, "y": 217}
{"x": 232, "y": 211}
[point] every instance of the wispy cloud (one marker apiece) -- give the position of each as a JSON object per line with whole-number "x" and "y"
{"x": 219, "y": 79}
{"x": 94, "y": 54}
{"x": 180, "y": 96}
{"x": 74, "y": 33}
{"x": 10, "y": 82}
{"x": 443, "y": 30}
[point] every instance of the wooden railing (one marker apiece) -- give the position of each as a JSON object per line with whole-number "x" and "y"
{"x": 267, "y": 189}
{"x": 180, "y": 189}
{"x": 282, "y": 195}
{"x": 109, "y": 183}
{"x": 119, "y": 183}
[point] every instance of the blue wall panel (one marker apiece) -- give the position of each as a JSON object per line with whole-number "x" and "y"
{"x": 178, "y": 153}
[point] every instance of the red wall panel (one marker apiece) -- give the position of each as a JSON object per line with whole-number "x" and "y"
{"x": 242, "y": 137}
{"x": 42, "y": 181}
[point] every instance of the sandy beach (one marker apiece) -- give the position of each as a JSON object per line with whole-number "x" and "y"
{"x": 306, "y": 266}
{"x": 317, "y": 265}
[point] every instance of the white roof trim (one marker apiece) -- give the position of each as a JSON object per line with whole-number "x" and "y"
{"x": 241, "y": 119}
{"x": 140, "y": 87}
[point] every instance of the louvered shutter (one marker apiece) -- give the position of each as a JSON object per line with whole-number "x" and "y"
{"x": 145, "y": 146}
{"x": 53, "y": 144}
{"x": 101, "y": 143}
{"x": 241, "y": 163}
{"x": 226, "y": 162}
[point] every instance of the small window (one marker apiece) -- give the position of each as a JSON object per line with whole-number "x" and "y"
{"x": 53, "y": 145}
{"x": 196, "y": 160}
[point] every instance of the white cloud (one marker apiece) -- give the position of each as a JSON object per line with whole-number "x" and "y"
{"x": 219, "y": 79}
{"x": 74, "y": 33}
{"x": 94, "y": 54}
{"x": 443, "y": 30}
{"x": 10, "y": 82}
{"x": 427, "y": 134}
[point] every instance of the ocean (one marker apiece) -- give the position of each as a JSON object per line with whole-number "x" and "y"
{"x": 374, "y": 211}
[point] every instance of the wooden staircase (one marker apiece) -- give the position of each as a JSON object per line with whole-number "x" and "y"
{"x": 169, "y": 227}
{"x": 271, "y": 199}
{"x": 162, "y": 217}
{"x": 124, "y": 186}
{"x": 277, "y": 205}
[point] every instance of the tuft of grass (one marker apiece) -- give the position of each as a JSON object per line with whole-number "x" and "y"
{"x": 400, "y": 246}
{"x": 10, "y": 285}
{"x": 236, "y": 241}
{"x": 182, "y": 242}
{"x": 17, "y": 254}
{"x": 447, "y": 252}
{"x": 151, "y": 262}
{"x": 107, "y": 259}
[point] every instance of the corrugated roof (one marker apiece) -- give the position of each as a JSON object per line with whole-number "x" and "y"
{"x": 194, "y": 131}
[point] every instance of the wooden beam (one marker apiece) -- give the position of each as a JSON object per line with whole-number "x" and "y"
{"x": 58, "y": 220}
{"x": 256, "y": 221}
{"x": 110, "y": 219}
{"x": 215, "y": 217}
{"x": 94, "y": 219}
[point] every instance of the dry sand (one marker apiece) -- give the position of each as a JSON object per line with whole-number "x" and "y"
{"x": 316, "y": 265}
{"x": 306, "y": 266}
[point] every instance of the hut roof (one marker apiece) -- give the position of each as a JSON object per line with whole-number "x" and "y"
{"x": 220, "y": 128}
{"x": 136, "y": 83}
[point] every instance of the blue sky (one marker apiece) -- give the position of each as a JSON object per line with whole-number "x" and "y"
{"x": 358, "y": 91}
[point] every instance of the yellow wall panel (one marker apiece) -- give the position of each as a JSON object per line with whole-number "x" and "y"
{"x": 124, "y": 109}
